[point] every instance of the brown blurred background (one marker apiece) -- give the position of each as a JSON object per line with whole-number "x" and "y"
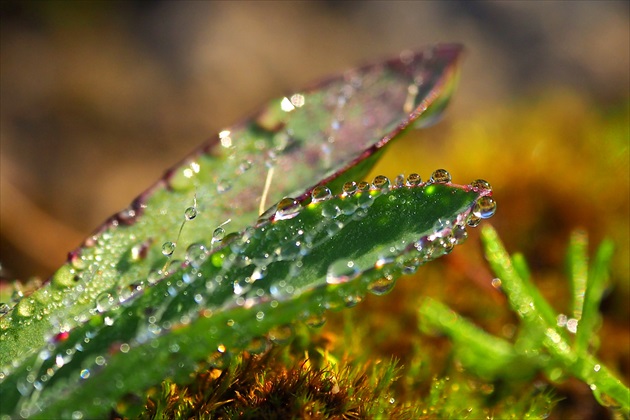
{"x": 98, "y": 98}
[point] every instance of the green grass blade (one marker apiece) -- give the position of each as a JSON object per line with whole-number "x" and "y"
{"x": 595, "y": 287}
{"x": 487, "y": 356}
{"x": 577, "y": 259}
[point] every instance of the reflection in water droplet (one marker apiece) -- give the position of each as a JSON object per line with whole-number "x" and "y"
{"x": 190, "y": 213}
{"x": 349, "y": 188}
{"x": 473, "y": 221}
{"x": 257, "y": 345}
{"x": 341, "y": 271}
{"x": 363, "y": 186}
{"x": 485, "y": 207}
{"x": 382, "y": 286}
{"x": 168, "y": 248}
{"x": 441, "y": 176}
{"x": 381, "y": 182}
{"x": 320, "y": 193}
{"x": 399, "y": 181}
{"x": 481, "y": 184}
{"x": 287, "y": 208}
{"x": 196, "y": 254}
{"x": 315, "y": 320}
{"x": 218, "y": 235}
{"x": 413, "y": 180}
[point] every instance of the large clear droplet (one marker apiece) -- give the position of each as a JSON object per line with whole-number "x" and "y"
{"x": 485, "y": 208}
{"x": 441, "y": 176}
{"x": 349, "y": 188}
{"x": 413, "y": 180}
{"x": 381, "y": 182}
{"x": 190, "y": 213}
{"x": 168, "y": 248}
{"x": 218, "y": 235}
{"x": 481, "y": 184}
{"x": 287, "y": 208}
{"x": 320, "y": 193}
{"x": 382, "y": 286}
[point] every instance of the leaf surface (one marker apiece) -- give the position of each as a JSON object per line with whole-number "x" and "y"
{"x": 161, "y": 282}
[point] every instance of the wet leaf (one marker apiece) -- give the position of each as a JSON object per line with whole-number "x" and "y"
{"x": 180, "y": 274}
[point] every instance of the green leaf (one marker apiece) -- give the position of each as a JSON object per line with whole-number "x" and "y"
{"x": 162, "y": 283}
{"x": 306, "y": 257}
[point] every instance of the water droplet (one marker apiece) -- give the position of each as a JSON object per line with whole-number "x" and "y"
{"x": 382, "y": 286}
{"x": 381, "y": 182}
{"x": 341, "y": 271}
{"x": 218, "y": 235}
{"x": 413, "y": 180}
{"x": 349, "y": 188}
{"x": 126, "y": 217}
{"x": 473, "y": 221}
{"x": 363, "y": 186}
{"x": 485, "y": 208}
{"x": 352, "y": 300}
{"x": 481, "y": 184}
{"x": 330, "y": 210}
{"x": 25, "y": 307}
{"x": 154, "y": 276}
{"x": 287, "y": 208}
{"x": 459, "y": 234}
{"x": 190, "y": 213}
{"x": 64, "y": 277}
{"x": 4, "y": 308}
{"x": 124, "y": 347}
{"x": 139, "y": 251}
{"x": 104, "y": 302}
{"x": 399, "y": 181}
{"x": 196, "y": 254}
{"x": 168, "y": 248}
{"x": 347, "y": 207}
{"x": 280, "y": 335}
{"x": 257, "y": 345}
{"x": 244, "y": 166}
{"x": 320, "y": 193}
{"x": 496, "y": 283}
{"x": 223, "y": 185}
{"x": 441, "y": 176}
{"x": 315, "y": 320}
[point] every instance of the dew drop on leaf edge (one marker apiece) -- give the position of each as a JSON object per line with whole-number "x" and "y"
{"x": 441, "y": 176}
{"x": 287, "y": 208}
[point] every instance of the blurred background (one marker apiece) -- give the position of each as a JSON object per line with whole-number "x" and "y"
{"x": 97, "y": 99}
